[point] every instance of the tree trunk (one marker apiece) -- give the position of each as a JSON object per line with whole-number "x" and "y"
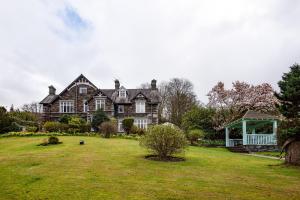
{"x": 293, "y": 153}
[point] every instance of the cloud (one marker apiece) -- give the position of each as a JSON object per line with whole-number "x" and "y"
{"x": 52, "y": 41}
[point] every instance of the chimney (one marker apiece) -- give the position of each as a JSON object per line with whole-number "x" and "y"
{"x": 52, "y": 90}
{"x": 117, "y": 84}
{"x": 153, "y": 84}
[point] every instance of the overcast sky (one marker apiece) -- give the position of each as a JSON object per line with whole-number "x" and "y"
{"x": 44, "y": 42}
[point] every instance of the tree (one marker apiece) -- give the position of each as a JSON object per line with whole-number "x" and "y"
{"x": 127, "y": 124}
{"x": 177, "y": 98}
{"x": 194, "y": 135}
{"x": 12, "y": 108}
{"x": 164, "y": 141}
{"x": 33, "y": 107}
{"x": 233, "y": 103}
{"x": 98, "y": 118}
{"x": 199, "y": 117}
{"x": 5, "y": 120}
{"x": 289, "y": 94}
{"x": 289, "y": 103}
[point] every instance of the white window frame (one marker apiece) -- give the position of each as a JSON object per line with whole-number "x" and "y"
{"x": 66, "y": 106}
{"x": 121, "y": 106}
{"x": 120, "y": 125}
{"x": 122, "y": 93}
{"x": 140, "y": 106}
{"x": 141, "y": 123}
{"x": 100, "y": 104}
{"x": 83, "y": 90}
{"x": 85, "y": 106}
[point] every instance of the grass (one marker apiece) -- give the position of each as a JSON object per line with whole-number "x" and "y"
{"x": 116, "y": 169}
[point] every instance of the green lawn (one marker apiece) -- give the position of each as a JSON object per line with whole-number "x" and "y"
{"x": 116, "y": 169}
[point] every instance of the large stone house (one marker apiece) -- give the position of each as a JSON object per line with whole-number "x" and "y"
{"x": 83, "y": 98}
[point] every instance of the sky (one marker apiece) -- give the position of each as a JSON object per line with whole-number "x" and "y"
{"x": 51, "y": 42}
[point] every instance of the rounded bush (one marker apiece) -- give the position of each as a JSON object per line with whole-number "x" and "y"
{"x": 164, "y": 140}
{"x": 53, "y": 140}
{"x": 108, "y": 128}
{"x": 194, "y": 135}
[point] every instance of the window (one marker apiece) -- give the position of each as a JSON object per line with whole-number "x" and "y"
{"x": 83, "y": 90}
{"x": 121, "y": 109}
{"x": 141, "y": 122}
{"x": 85, "y": 106}
{"x": 122, "y": 93}
{"x": 140, "y": 106}
{"x": 66, "y": 106}
{"x": 100, "y": 104}
{"x": 120, "y": 125}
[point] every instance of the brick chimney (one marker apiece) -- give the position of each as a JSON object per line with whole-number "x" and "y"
{"x": 117, "y": 84}
{"x": 153, "y": 84}
{"x": 52, "y": 90}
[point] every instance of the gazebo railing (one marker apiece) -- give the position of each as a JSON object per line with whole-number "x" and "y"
{"x": 261, "y": 139}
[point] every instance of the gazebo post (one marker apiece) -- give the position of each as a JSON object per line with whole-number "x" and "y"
{"x": 244, "y": 132}
{"x": 274, "y": 130}
{"x": 227, "y": 136}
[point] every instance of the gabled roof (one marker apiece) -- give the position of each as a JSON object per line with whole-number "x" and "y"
{"x": 79, "y": 78}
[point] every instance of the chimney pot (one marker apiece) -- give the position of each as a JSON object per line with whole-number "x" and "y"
{"x": 52, "y": 90}
{"x": 153, "y": 84}
{"x": 117, "y": 84}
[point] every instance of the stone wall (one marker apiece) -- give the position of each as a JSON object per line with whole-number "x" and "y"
{"x": 261, "y": 148}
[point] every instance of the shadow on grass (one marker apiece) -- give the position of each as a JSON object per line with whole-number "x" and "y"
{"x": 167, "y": 159}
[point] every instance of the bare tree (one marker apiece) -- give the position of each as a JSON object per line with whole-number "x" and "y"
{"x": 177, "y": 98}
{"x": 33, "y": 107}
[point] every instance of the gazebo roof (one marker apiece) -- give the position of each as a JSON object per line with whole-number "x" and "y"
{"x": 253, "y": 116}
{"x": 259, "y": 116}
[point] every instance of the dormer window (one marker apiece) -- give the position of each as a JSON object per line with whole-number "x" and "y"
{"x": 122, "y": 93}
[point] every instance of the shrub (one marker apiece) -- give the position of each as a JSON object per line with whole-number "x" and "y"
{"x": 5, "y": 120}
{"x": 15, "y": 127}
{"x": 31, "y": 128}
{"x": 53, "y": 140}
{"x": 194, "y": 135}
{"x": 136, "y": 130}
{"x": 108, "y": 128}
{"x": 78, "y": 125}
{"x": 164, "y": 141}
{"x": 52, "y": 127}
{"x": 127, "y": 124}
{"x": 65, "y": 119}
{"x": 98, "y": 118}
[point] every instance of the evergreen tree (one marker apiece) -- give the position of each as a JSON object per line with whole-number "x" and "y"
{"x": 98, "y": 118}
{"x": 289, "y": 106}
{"x": 289, "y": 95}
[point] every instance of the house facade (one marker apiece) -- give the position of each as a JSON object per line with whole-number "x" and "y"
{"x": 83, "y": 98}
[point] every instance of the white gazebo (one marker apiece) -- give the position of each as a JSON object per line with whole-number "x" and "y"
{"x": 249, "y": 124}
